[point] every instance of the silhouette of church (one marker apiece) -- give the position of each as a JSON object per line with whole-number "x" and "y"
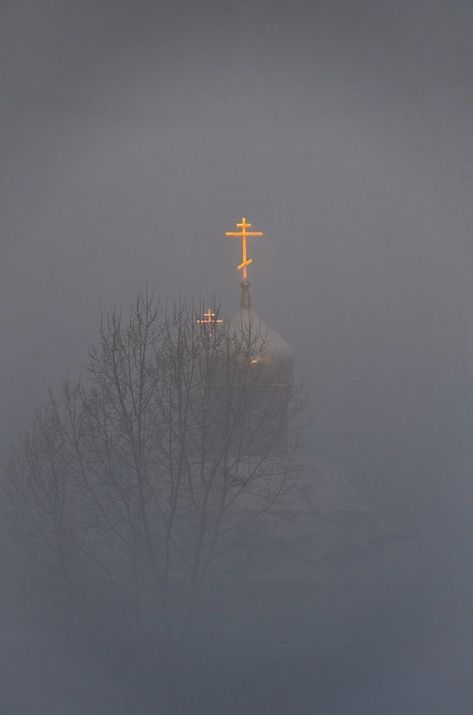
{"x": 324, "y": 518}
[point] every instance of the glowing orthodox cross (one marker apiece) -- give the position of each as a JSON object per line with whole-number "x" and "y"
{"x": 244, "y": 234}
{"x": 209, "y": 318}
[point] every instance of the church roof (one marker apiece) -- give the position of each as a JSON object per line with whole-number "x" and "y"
{"x": 247, "y": 321}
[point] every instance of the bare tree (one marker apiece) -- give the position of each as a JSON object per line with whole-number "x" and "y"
{"x": 159, "y": 470}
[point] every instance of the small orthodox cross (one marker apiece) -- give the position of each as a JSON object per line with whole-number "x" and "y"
{"x": 244, "y": 235}
{"x": 210, "y": 318}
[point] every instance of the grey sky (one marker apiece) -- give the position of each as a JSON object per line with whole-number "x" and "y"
{"x": 135, "y": 133}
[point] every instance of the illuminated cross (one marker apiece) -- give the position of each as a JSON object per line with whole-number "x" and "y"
{"x": 244, "y": 234}
{"x": 210, "y": 318}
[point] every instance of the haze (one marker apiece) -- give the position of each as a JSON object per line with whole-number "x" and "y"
{"x": 134, "y": 134}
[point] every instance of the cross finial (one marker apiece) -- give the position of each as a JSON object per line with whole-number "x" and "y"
{"x": 210, "y": 318}
{"x": 244, "y": 234}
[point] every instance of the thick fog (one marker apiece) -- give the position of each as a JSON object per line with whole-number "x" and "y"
{"x": 134, "y": 134}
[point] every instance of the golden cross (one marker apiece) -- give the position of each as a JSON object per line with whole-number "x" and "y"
{"x": 210, "y": 318}
{"x": 244, "y": 234}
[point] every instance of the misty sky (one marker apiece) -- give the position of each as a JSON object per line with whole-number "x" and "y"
{"x": 134, "y": 134}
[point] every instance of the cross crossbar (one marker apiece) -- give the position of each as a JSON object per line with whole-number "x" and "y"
{"x": 244, "y": 235}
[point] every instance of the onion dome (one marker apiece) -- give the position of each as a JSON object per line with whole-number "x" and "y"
{"x": 267, "y": 363}
{"x": 275, "y": 350}
{"x": 273, "y": 362}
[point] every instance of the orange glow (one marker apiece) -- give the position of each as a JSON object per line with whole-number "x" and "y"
{"x": 244, "y": 235}
{"x": 210, "y": 318}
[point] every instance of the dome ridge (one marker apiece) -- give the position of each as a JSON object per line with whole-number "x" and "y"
{"x": 246, "y": 319}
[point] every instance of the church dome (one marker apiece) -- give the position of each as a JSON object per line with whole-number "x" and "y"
{"x": 275, "y": 350}
{"x": 266, "y": 364}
